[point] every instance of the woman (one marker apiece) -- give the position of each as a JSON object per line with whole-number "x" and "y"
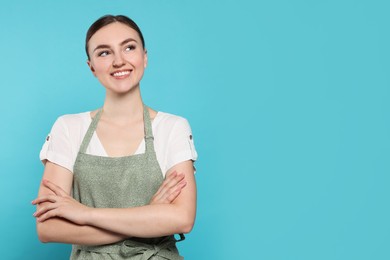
{"x": 129, "y": 168}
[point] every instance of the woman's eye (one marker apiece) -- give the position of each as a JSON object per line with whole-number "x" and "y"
{"x": 103, "y": 53}
{"x": 130, "y": 47}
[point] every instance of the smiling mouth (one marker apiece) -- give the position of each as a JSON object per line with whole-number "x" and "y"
{"x": 121, "y": 74}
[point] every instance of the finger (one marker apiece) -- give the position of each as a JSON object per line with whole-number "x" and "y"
{"x": 163, "y": 185}
{"x": 174, "y": 181}
{"x": 56, "y": 189}
{"x": 167, "y": 187}
{"x": 168, "y": 178}
{"x": 50, "y": 214}
{"x": 45, "y": 198}
{"x": 171, "y": 194}
{"x": 175, "y": 192}
{"x": 171, "y": 175}
{"x": 44, "y": 210}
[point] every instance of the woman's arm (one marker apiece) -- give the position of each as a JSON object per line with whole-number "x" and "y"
{"x": 61, "y": 230}
{"x": 153, "y": 220}
{"x": 146, "y": 221}
{"x": 58, "y": 229}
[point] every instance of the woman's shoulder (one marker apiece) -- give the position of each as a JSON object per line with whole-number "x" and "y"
{"x": 167, "y": 120}
{"x": 76, "y": 117}
{"x": 166, "y": 124}
{"x": 76, "y": 121}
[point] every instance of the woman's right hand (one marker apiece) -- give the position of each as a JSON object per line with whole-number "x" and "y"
{"x": 169, "y": 189}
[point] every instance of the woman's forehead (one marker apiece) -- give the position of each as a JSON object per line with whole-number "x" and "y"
{"x": 114, "y": 33}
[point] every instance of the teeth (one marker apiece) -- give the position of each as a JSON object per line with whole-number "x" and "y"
{"x": 121, "y": 73}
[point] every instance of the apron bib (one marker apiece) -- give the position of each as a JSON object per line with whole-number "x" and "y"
{"x": 121, "y": 182}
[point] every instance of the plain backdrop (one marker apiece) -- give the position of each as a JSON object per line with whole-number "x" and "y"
{"x": 288, "y": 101}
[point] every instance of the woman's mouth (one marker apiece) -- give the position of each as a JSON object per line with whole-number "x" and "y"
{"x": 121, "y": 74}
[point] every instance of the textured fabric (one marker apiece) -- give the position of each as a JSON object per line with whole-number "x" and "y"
{"x": 173, "y": 142}
{"x": 137, "y": 249}
{"x": 120, "y": 182}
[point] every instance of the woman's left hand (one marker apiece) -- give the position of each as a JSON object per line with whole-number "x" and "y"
{"x": 60, "y": 204}
{"x": 169, "y": 189}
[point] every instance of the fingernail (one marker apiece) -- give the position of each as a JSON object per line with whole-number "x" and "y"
{"x": 34, "y": 214}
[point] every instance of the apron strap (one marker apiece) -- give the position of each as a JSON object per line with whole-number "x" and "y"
{"x": 149, "y": 145}
{"x": 90, "y": 131}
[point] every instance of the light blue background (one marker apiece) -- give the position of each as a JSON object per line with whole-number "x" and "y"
{"x": 288, "y": 101}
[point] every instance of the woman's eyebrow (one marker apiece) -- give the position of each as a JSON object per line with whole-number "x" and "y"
{"x": 105, "y": 46}
{"x": 102, "y": 46}
{"x": 127, "y": 41}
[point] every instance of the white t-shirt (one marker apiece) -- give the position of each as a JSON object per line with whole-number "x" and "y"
{"x": 173, "y": 141}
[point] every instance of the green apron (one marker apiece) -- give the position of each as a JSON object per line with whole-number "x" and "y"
{"x": 121, "y": 182}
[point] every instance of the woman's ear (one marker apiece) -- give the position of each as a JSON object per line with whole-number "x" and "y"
{"x": 145, "y": 58}
{"x": 91, "y": 67}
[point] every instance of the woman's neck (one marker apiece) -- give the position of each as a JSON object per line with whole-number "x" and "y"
{"x": 123, "y": 107}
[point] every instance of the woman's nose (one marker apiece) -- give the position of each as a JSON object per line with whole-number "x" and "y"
{"x": 118, "y": 61}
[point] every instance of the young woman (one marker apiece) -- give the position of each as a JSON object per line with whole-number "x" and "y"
{"x": 119, "y": 181}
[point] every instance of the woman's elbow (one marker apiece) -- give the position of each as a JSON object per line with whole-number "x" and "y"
{"x": 187, "y": 224}
{"x": 43, "y": 232}
{"x": 43, "y": 237}
{"x": 187, "y": 228}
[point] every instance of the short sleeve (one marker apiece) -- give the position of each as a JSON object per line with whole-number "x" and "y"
{"x": 181, "y": 144}
{"x": 57, "y": 147}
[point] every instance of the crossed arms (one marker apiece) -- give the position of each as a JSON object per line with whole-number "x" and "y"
{"x": 62, "y": 219}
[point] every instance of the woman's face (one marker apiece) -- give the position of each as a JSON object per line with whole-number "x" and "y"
{"x": 117, "y": 57}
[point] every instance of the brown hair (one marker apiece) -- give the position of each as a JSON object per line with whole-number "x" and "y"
{"x": 108, "y": 19}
